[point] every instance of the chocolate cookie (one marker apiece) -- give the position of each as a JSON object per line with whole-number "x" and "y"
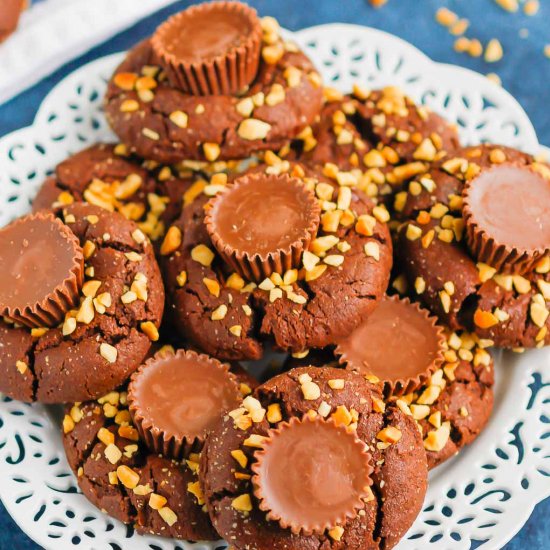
{"x": 105, "y": 175}
{"x": 443, "y": 380}
{"x": 379, "y": 139}
{"x": 120, "y": 474}
{"x": 102, "y": 336}
{"x": 438, "y": 248}
{"x": 328, "y": 409}
{"x": 414, "y": 131}
{"x": 310, "y": 299}
{"x": 148, "y": 107}
{"x": 464, "y": 401}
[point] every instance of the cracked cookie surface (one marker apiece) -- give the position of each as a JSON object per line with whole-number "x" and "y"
{"x": 510, "y": 310}
{"x": 399, "y": 477}
{"x": 452, "y": 407}
{"x": 118, "y": 473}
{"x": 380, "y": 139}
{"x": 105, "y": 339}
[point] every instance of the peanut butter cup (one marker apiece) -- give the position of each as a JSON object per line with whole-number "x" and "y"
{"x": 176, "y": 398}
{"x": 399, "y": 344}
{"x": 312, "y": 475}
{"x": 211, "y": 48}
{"x": 507, "y": 215}
{"x": 262, "y": 223}
{"x": 41, "y": 270}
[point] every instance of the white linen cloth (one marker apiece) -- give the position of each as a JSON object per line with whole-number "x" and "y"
{"x": 53, "y": 32}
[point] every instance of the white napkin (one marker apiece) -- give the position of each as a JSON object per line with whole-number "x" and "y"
{"x": 53, "y": 32}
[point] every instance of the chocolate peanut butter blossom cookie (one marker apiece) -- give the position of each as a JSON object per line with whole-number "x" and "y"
{"x": 84, "y": 305}
{"x": 377, "y": 139}
{"x": 210, "y": 91}
{"x": 314, "y": 460}
{"x": 443, "y": 380}
{"x": 136, "y": 452}
{"x": 476, "y": 243}
{"x": 105, "y": 175}
{"x": 280, "y": 253}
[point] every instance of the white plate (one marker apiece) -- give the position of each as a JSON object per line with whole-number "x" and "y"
{"x": 485, "y": 494}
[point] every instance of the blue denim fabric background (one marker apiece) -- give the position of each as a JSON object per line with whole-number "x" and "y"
{"x": 524, "y": 71}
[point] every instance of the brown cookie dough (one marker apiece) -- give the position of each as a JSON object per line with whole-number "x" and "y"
{"x": 399, "y": 476}
{"x": 379, "y": 139}
{"x": 118, "y": 473}
{"x": 510, "y": 310}
{"x": 158, "y": 121}
{"x": 347, "y": 272}
{"x": 105, "y": 175}
{"x": 102, "y": 341}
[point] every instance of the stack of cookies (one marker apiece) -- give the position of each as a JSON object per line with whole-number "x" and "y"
{"x": 248, "y": 208}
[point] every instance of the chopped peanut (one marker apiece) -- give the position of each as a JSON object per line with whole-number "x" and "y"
{"x": 172, "y": 241}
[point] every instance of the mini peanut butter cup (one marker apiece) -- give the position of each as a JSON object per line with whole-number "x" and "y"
{"x": 210, "y": 49}
{"x": 41, "y": 270}
{"x": 507, "y": 215}
{"x": 176, "y": 398}
{"x": 312, "y": 475}
{"x": 399, "y": 344}
{"x": 262, "y": 223}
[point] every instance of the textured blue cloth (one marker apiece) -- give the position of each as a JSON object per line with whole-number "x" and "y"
{"x": 524, "y": 70}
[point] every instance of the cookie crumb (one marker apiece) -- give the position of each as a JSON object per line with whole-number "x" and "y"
{"x": 336, "y": 533}
{"x": 378, "y": 3}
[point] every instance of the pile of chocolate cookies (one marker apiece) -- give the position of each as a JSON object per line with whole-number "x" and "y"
{"x": 248, "y": 208}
